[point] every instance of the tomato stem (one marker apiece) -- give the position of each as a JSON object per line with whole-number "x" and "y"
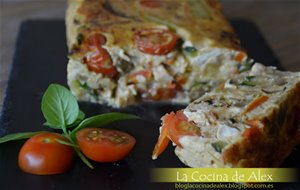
{"x": 65, "y": 130}
{"x": 83, "y": 158}
{"x": 77, "y": 150}
{"x": 67, "y": 143}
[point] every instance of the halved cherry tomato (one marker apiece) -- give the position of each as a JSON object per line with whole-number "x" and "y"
{"x": 151, "y": 3}
{"x": 170, "y": 91}
{"x": 96, "y": 39}
{"x": 98, "y": 59}
{"x": 155, "y": 41}
{"x": 104, "y": 145}
{"x": 43, "y": 155}
{"x": 163, "y": 94}
{"x": 174, "y": 126}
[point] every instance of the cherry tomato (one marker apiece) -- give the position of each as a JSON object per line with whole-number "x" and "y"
{"x": 43, "y": 155}
{"x": 155, "y": 41}
{"x": 174, "y": 126}
{"x": 98, "y": 59}
{"x": 180, "y": 126}
{"x": 170, "y": 91}
{"x": 151, "y": 3}
{"x": 162, "y": 94}
{"x": 104, "y": 145}
{"x": 133, "y": 77}
{"x": 96, "y": 39}
{"x": 163, "y": 140}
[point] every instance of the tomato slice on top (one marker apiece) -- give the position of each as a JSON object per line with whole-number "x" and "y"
{"x": 155, "y": 41}
{"x": 97, "y": 58}
{"x": 104, "y": 145}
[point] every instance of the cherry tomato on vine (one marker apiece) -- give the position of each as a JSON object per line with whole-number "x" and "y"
{"x": 43, "y": 155}
{"x": 104, "y": 145}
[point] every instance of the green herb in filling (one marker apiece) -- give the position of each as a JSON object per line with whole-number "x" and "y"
{"x": 246, "y": 66}
{"x": 200, "y": 84}
{"x": 190, "y": 51}
{"x": 218, "y": 146}
{"x": 248, "y": 81}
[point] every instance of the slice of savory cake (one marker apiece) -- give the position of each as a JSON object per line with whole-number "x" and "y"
{"x": 253, "y": 120}
{"x": 125, "y": 52}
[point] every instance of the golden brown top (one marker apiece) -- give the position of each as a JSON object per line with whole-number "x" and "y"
{"x": 199, "y": 21}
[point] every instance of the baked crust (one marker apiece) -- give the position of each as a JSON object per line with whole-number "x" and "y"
{"x": 250, "y": 121}
{"x": 274, "y": 141}
{"x": 205, "y": 50}
{"x": 201, "y": 22}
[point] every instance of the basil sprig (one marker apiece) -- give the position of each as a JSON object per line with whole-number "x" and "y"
{"x": 59, "y": 107}
{"x": 61, "y": 111}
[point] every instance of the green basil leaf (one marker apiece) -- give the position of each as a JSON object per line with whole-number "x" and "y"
{"x": 19, "y": 136}
{"x": 80, "y": 117}
{"x": 103, "y": 119}
{"x": 59, "y": 107}
{"x": 49, "y": 125}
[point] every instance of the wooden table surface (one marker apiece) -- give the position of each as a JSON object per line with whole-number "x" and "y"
{"x": 278, "y": 20}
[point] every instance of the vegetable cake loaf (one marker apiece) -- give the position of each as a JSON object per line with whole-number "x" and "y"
{"x": 250, "y": 121}
{"x": 123, "y": 52}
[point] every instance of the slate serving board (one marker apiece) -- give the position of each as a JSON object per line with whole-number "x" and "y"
{"x": 40, "y": 59}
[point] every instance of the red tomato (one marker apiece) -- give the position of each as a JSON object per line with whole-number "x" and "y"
{"x": 162, "y": 94}
{"x": 145, "y": 73}
{"x": 163, "y": 140}
{"x": 43, "y": 155}
{"x": 104, "y": 145}
{"x": 170, "y": 91}
{"x": 96, "y": 39}
{"x": 151, "y": 3}
{"x": 180, "y": 126}
{"x": 155, "y": 41}
{"x": 98, "y": 59}
{"x": 174, "y": 126}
